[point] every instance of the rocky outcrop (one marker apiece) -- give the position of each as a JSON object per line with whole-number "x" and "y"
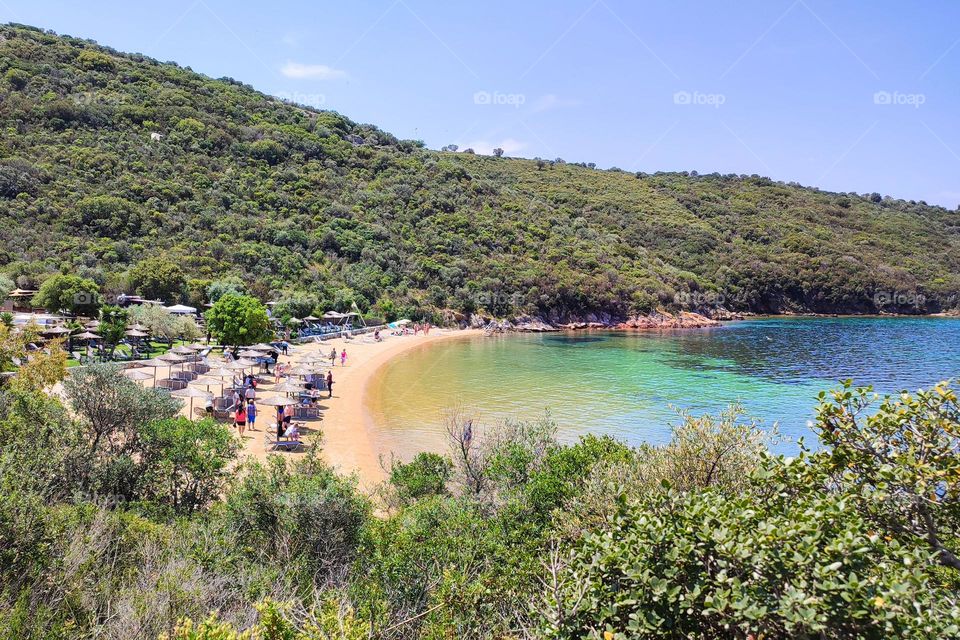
{"x": 655, "y": 320}
{"x": 661, "y": 320}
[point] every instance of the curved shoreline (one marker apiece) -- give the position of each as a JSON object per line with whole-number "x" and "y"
{"x": 350, "y": 441}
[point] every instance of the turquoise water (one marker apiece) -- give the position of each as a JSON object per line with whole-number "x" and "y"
{"x": 631, "y": 384}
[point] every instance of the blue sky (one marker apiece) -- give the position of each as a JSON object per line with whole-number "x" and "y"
{"x": 846, "y": 96}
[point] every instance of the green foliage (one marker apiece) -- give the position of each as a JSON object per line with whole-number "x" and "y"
{"x": 902, "y": 459}
{"x": 302, "y": 514}
{"x": 113, "y": 325}
{"x": 162, "y": 324}
{"x": 186, "y": 462}
{"x": 295, "y": 199}
{"x": 159, "y": 279}
{"x": 423, "y": 477}
{"x": 68, "y": 294}
{"x": 219, "y": 288}
{"x": 112, "y": 410}
{"x": 238, "y": 320}
{"x": 709, "y": 565}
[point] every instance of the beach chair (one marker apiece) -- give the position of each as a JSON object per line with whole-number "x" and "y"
{"x": 272, "y": 443}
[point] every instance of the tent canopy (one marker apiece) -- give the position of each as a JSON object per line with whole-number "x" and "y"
{"x": 181, "y": 309}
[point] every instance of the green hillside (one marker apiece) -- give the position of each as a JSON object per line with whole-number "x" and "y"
{"x": 308, "y": 204}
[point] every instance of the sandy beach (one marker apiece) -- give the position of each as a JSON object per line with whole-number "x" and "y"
{"x": 348, "y": 439}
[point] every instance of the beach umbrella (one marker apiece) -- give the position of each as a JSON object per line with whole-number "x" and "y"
{"x": 303, "y": 371}
{"x": 190, "y": 392}
{"x": 93, "y": 324}
{"x": 262, "y": 347}
{"x": 86, "y": 335}
{"x": 138, "y": 374}
{"x": 183, "y": 350}
{"x": 236, "y": 365}
{"x": 295, "y": 320}
{"x": 135, "y": 333}
{"x": 246, "y": 362}
{"x": 277, "y": 401}
{"x": 288, "y": 387}
{"x": 55, "y": 331}
{"x": 250, "y": 353}
{"x": 311, "y": 318}
{"x": 209, "y": 381}
{"x": 138, "y": 327}
{"x": 172, "y": 357}
{"x": 154, "y": 363}
{"x": 221, "y": 372}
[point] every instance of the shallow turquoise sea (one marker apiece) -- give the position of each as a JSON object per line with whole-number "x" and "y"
{"x": 631, "y": 385}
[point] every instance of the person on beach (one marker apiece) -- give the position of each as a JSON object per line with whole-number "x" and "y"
{"x": 240, "y": 419}
{"x": 343, "y": 358}
{"x": 250, "y": 394}
{"x": 287, "y": 415}
{"x": 329, "y": 384}
{"x": 279, "y": 422}
{"x": 236, "y": 398}
{"x": 252, "y": 415}
{"x": 333, "y": 356}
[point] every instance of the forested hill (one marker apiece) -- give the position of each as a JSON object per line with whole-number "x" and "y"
{"x": 309, "y": 205}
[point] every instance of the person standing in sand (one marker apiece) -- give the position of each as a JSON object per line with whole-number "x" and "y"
{"x": 329, "y": 384}
{"x": 333, "y": 356}
{"x": 343, "y": 358}
{"x": 252, "y": 415}
{"x": 240, "y": 419}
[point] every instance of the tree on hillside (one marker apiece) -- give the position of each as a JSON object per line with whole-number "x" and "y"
{"x": 68, "y": 294}
{"x": 229, "y": 285}
{"x": 238, "y": 320}
{"x": 498, "y": 152}
{"x": 159, "y": 279}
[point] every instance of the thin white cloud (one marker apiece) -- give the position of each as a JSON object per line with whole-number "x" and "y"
{"x": 485, "y": 147}
{"x": 551, "y": 101}
{"x": 300, "y": 71}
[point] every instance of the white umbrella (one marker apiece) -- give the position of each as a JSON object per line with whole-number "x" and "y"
{"x": 277, "y": 401}
{"x": 181, "y": 309}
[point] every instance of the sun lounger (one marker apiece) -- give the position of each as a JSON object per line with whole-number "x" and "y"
{"x": 272, "y": 443}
